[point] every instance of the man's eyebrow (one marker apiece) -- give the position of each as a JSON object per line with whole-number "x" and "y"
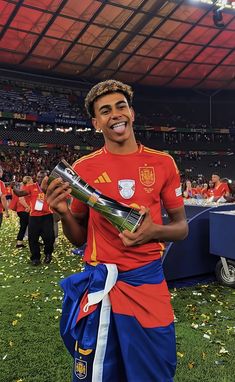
{"x": 108, "y": 106}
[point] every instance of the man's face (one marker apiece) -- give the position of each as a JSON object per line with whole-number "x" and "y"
{"x": 215, "y": 178}
{"x": 40, "y": 176}
{"x": 114, "y": 117}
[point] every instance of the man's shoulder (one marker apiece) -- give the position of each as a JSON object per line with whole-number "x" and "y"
{"x": 86, "y": 160}
{"x": 30, "y": 187}
{"x": 163, "y": 155}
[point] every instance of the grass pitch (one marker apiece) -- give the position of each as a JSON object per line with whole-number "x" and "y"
{"x": 31, "y": 349}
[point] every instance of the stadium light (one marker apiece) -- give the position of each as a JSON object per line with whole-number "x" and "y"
{"x": 229, "y": 4}
{"x": 218, "y": 18}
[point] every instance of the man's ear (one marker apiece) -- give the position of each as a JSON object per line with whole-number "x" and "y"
{"x": 94, "y": 123}
{"x": 132, "y": 114}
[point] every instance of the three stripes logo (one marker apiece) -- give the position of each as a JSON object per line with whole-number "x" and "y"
{"x": 103, "y": 178}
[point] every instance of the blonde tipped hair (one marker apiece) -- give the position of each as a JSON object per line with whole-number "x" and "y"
{"x": 27, "y": 179}
{"x": 107, "y": 87}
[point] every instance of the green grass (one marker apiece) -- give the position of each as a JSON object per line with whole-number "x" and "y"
{"x": 31, "y": 349}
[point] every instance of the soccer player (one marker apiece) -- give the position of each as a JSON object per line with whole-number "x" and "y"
{"x": 117, "y": 319}
{"x": 3, "y": 201}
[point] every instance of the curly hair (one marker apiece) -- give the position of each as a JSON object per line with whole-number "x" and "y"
{"x": 106, "y": 87}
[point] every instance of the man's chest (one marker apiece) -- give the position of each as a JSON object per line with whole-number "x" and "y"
{"x": 127, "y": 183}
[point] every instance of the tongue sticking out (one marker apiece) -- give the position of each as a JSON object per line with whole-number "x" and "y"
{"x": 120, "y": 128}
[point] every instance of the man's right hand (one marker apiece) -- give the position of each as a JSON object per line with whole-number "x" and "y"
{"x": 57, "y": 193}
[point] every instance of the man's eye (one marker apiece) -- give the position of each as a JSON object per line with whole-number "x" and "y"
{"x": 104, "y": 112}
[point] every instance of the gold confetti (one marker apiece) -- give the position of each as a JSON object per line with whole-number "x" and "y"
{"x": 181, "y": 355}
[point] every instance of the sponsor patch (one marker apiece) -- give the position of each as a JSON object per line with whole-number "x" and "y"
{"x": 178, "y": 191}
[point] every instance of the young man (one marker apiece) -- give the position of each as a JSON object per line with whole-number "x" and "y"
{"x": 117, "y": 319}
{"x": 3, "y": 200}
{"x": 220, "y": 188}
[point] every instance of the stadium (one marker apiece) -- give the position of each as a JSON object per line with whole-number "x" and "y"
{"x": 178, "y": 56}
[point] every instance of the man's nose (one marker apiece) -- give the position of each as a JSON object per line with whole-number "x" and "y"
{"x": 115, "y": 113}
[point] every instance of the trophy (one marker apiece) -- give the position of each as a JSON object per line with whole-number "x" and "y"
{"x": 119, "y": 215}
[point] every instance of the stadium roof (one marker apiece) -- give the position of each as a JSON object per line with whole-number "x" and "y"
{"x": 181, "y": 43}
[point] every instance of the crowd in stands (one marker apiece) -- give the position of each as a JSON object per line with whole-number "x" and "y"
{"x": 44, "y": 99}
{"x": 35, "y": 99}
{"x": 19, "y": 163}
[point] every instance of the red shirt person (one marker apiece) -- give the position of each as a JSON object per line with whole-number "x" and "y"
{"x": 3, "y": 201}
{"x": 220, "y": 188}
{"x": 22, "y": 207}
{"x": 40, "y": 220}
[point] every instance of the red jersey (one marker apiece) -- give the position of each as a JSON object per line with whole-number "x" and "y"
{"x": 221, "y": 190}
{"x": 210, "y": 192}
{"x": 145, "y": 178}
{"x": 2, "y": 192}
{"x": 37, "y": 200}
{"x": 20, "y": 207}
{"x": 9, "y": 191}
{"x": 191, "y": 193}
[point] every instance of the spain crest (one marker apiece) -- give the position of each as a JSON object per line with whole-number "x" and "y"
{"x": 126, "y": 188}
{"x": 80, "y": 368}
{"x": 147, "y": 176}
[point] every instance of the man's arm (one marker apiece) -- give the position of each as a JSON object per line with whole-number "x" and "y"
{"x": 148, "y": 231}
{"x": 24, "y": 204}
{"x": 20, "y": 192}
{"x": 74, "y": 225}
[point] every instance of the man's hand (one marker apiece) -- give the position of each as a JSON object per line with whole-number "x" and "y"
{"x": 57, "y": 193}
{"x": 145, "y": 233}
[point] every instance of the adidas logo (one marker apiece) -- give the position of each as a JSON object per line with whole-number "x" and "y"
{"x": 103, "y": 178}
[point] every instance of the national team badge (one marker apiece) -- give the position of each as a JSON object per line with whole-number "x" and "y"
{"x": 147, "y": 176}
{"x": 126, "y": 188}
{"x": 80, "y": 368}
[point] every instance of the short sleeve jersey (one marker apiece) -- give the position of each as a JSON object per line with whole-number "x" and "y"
{"x": 36, "y": 194}
{"x": 221, "y": 190}
{"x": 2, "y": 192}
{"x": 147, "y": 178}
{"x": 20, "y": 207}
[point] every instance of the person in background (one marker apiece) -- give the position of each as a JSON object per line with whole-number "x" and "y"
{"x": 204, "y": 190}
{"x": 117, "y": 319}
{"x": 231, "y": 197}
{"x": 210, "y": 190}
{"x": 3, "y": 201}
{"x": 9, "y": 193}
{"x": 22, "y": 207}
{"x": 220, "y": 188}
{"x": 41, "y": 223}
{"x": 188, "y": 191}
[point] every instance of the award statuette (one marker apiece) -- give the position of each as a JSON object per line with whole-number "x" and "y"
{"x": 118, "y": 214}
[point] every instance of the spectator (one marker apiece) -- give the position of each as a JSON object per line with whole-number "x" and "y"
{"x": 3, "y": 201}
